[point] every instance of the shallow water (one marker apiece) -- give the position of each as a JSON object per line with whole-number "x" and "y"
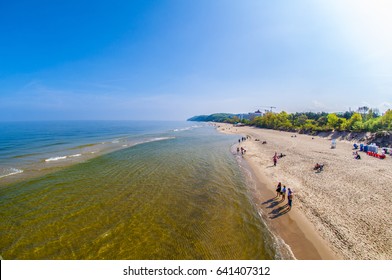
{"x": 176, "y": 198}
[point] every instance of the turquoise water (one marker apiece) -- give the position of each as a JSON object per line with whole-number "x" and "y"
{"x": 178, "y": 194}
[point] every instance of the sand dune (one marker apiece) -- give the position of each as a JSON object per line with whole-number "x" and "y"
{"x": 348, "y": 204}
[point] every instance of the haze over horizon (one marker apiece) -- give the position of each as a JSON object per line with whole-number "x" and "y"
{"x": 148, "y": 60}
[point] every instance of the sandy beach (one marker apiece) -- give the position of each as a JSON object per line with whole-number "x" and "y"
{"x": 343, "y": 212}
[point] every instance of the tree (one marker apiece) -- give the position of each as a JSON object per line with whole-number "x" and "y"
{"x": 301, "y": 121}
{"x": 372, "y": 125}
{"x": 347, "y": 114}
{"x": 354, "y": 123}
{"x": 282, "y": 121}
{"x": 371, "y": 114}
{"x": 269, "y": 120}
{"x": 322, "y": 121}
{"x": 234, "y": 119}
{"x": 363, "y": 110}
{"x": 386, "y": 120}
{"x": 332, "y": 120}
{"x": 341, "y": 124}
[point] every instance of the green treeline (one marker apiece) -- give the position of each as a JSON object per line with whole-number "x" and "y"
{"x": 363, "y": 120}
{"x": 220, "y": 117}
{"x": 316, "y": 122}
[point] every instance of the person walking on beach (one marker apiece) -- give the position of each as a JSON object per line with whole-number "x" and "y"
{"x": 283, "y": 192}
{"x": 278, "y": 189}
{"x": 275, "y": 158}
{"x": 290, "y": 198}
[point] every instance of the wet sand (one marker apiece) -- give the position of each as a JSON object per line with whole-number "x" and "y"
{"x": 343, "y": 212}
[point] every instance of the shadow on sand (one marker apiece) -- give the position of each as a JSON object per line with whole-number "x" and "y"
{"x": 277, "y": 212}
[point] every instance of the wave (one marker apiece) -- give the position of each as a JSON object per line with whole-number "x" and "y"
{"x": 187, "y": 128}
{"x": 182, "y": 129}
{"x": 10, "y": 171}
{"x": 76, "y": 155}
{"x": 55, "y": 158}
{"x": 155, "y": 139}
{"x": 62, "y": 157}
{"x": 160, "y": 139}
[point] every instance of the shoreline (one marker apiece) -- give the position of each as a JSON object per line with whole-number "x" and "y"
{"x": 300, "y": 240}
{"x": 332, "y": 217}
{"x": 295, "y": 231}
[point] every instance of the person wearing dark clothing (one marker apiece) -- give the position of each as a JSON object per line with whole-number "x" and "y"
{"x": 278, "y": 189}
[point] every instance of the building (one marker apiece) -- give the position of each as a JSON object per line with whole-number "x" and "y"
{"x": 250, "y": 116}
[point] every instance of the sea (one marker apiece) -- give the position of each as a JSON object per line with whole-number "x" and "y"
{"x": 126, "y": 190}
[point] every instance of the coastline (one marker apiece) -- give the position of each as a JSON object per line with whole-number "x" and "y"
{"x": 295, "y": 236}
{"x": 331, "y": 217}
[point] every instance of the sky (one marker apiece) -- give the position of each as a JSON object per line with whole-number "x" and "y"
{"x": 173, "y": 59}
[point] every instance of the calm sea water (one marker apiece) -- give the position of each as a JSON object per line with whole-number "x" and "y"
{"x": 125, "y": 190}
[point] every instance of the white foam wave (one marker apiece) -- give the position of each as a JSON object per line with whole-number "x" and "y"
{"x": 11, "y": 171}
{"x": 153, "y": 140}
{"x": 55, "y": 158}
{"x": 77, "y": 155}
{"x": 160, "y": 138}
{"x": 182, "y": 129}
{"x": 62, "y": 157}
{"x": 187, "y": 128}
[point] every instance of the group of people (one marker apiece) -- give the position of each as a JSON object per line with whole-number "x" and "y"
{"x": 243, "y": 151}
{"x": 281, "y": 193}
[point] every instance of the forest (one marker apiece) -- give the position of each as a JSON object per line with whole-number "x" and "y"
{"x": 362, "y": 120}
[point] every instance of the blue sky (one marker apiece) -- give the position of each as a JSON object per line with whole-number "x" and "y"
{"x": 149, "y": 60}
